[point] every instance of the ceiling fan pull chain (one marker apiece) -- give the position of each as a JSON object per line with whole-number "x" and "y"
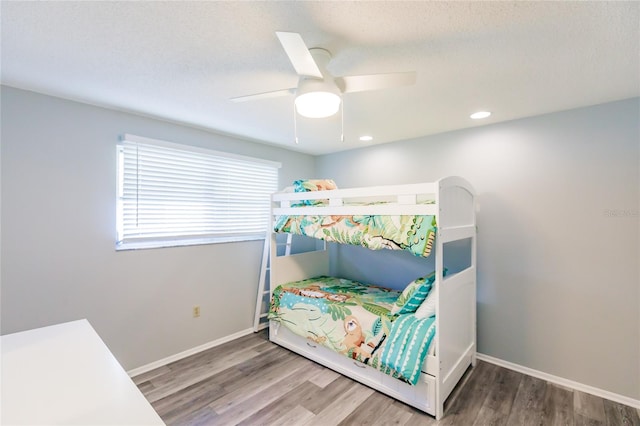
{"x": 342, "y": 118}
{"x": 295, "y": 124}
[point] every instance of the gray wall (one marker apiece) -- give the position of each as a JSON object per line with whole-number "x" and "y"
{"x": 558, "y": 242}
{"x": 58, "y": 235}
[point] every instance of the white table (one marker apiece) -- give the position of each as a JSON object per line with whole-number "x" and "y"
{"x": 65, "y": 375}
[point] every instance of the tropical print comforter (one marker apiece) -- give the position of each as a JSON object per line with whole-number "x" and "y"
{"x": 412, "y": 233}
{"x": 354, "y": 319}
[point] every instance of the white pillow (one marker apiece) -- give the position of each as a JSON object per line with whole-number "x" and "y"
{"x": 428, "y": 307}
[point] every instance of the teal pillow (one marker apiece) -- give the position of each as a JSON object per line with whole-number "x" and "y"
{"x": 413, "y": 295}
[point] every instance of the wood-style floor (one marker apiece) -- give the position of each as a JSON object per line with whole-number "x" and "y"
{"x": 251, "y": 381}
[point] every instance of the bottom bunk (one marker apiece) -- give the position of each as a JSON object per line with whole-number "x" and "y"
{"x": 420, "y": 396}
{"x": 380, "y": 337}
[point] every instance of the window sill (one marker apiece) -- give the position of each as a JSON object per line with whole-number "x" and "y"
{"x": 143, "y": 245}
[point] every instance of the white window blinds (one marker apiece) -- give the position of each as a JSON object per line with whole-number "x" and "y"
{"x": 170, "y": 194}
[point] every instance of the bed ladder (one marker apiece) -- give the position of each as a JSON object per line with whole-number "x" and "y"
{"x": 264, "y": 293}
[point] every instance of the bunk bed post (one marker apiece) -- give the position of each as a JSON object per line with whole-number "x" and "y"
{"x": 439, "y": 266}
{"x": 456, "y": 297}
{"x": 474, "y": 319}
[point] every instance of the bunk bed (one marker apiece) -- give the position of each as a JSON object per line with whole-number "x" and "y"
{"x": 423, "y": 218}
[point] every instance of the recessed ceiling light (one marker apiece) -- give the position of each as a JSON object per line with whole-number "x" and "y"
{"x": 366, "y": 138}
{"x": 480, "y": 115}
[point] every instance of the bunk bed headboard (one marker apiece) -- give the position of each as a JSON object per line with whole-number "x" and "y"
{"x": 456, "y": 201}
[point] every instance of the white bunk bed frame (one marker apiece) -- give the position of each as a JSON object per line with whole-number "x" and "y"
{"x": 455, "y": 338}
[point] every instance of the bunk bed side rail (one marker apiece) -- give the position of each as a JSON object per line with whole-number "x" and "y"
{"x": 348, "y": 210}
{"x": 365, "y": 192}
{"x": 391, "y": 200}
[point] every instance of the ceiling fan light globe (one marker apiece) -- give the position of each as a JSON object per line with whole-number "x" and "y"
{"x": 317, "y": 104}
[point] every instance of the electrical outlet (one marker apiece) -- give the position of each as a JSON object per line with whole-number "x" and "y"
{"x": 196, "y": 311}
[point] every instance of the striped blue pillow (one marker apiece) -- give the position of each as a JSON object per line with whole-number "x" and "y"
{"x": 413, "y": 295}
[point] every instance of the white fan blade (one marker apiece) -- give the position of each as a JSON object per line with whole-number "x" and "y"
{"x": 299, "y": 55}
{"x": 360, "y": 83}
{"x": 264, "y": 95}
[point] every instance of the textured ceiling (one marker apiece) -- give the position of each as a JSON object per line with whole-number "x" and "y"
{"x": 183, "y": 60}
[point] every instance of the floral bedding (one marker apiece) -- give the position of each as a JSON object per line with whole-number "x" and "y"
{"x": 355, "y": 319}
{"x": 412, "y": 233}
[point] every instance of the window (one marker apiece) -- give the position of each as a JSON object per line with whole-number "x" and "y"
{"x": 170, "y": 195}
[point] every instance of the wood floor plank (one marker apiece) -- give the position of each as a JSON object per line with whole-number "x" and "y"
{"x": 465, "y": 407}
{"x": 369, "y": 411}
{"x": 274, "y": 355}
{"x": 497, "y": 406}
{"x": 528, "y": 408}
{"x": 330, "y": 393}
{"x": 282, "y": 405}
{"x": 184, "y": 377}
{"x": 296, "y": 416}
{"x": 400, "y": 414}
{"x": 418, "y": 418}
{"x": 338, "y": 409}
{"x": 558, "y": 406}
{"x": 588, "y": 407}
{"x": 290, "y": 372}
{"x": 204, "y": 416}
{"x": 277, "y": 364}
{"x": 459, "y": 387}
{"x": 620, "y": 415}
{"x": 145, "y": 377}
{"x": 580, "y": 420}
{"x": 145, "y": 387}
{"x": 327, "y": 376}
{"x": 421, "y": 419}
{"x": 234, "y": 412}
{"x": 244, "y": 343}
{"x": 192, "y": 397}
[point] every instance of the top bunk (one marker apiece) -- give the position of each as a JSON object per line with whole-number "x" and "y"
{"x": 414, "y": 213}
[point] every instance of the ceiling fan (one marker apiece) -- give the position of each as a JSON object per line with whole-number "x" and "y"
{"x": 318, "y": 93}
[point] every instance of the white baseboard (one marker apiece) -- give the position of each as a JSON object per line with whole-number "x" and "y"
{"x": 562, "y": 381}
{"x": 188, "y": 352}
